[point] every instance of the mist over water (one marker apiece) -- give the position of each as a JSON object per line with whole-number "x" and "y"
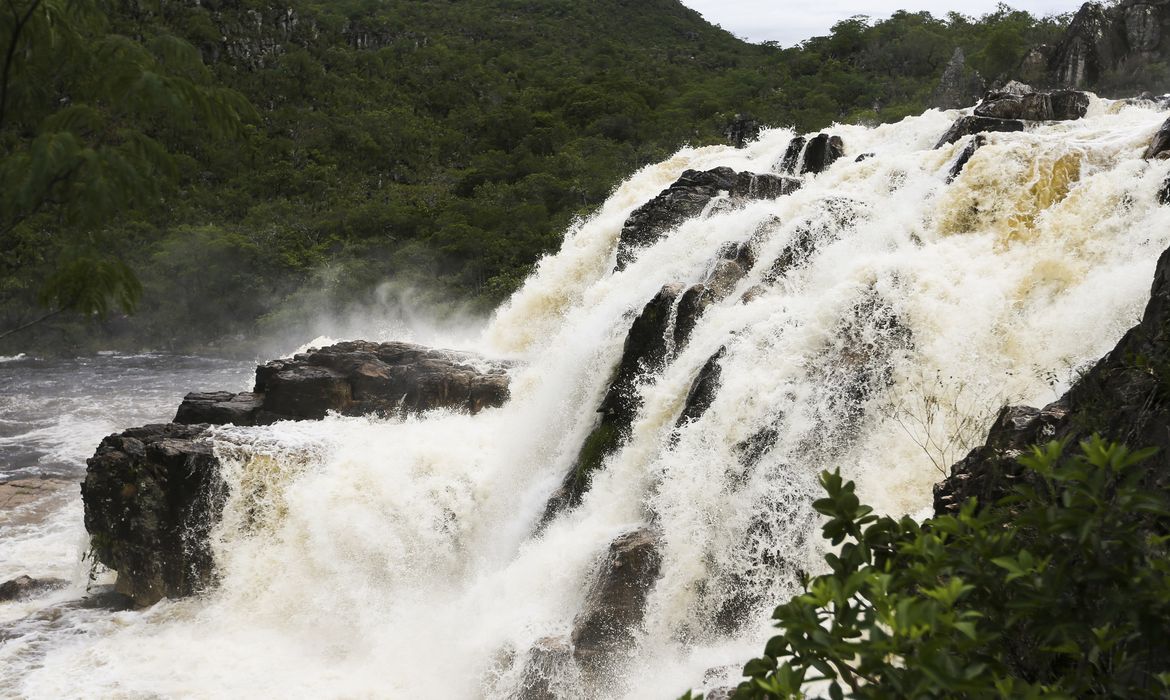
{"x": 365, "y": 557}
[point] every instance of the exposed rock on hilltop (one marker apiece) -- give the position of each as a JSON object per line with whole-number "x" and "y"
{"x": 1106, "y": 46}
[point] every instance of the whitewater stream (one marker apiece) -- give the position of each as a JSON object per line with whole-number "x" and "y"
{"x": 402, "y": 558}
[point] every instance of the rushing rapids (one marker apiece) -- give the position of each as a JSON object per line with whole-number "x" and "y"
{"x": 888, "y": 307}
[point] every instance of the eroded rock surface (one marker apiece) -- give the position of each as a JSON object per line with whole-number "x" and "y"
{"x": 969, "y": 126}
{"x": 1056, "y": 105}
{"x": 356, "y": 378}
{"x": 616, "y": 601}
{"x": 151, "y": 496}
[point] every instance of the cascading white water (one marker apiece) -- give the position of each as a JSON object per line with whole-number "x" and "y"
{"x": 396, "y": 558}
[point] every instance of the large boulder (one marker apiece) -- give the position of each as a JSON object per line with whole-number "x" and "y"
{"x": 1123, "y": 397}
{"x": 971, "y": 125}
{"x": 821, "y": 151}
{"x": 687, "y": 198}
{"x": 1055, "y": 105}
{"x": 152, "y": 495}
{"x": 616, "y": 602}
{"x": 1159, "y": 145}
{"x": 356, "y": 378}
{"x": 27, "y": 587}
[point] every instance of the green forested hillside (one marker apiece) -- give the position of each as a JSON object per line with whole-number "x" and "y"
{"x": 438, "y": 145}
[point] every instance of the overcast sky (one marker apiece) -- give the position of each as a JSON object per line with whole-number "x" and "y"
{"x": 790, "y": 22}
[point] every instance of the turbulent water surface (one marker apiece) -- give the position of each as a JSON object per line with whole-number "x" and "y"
{"x": 397, "y": 558}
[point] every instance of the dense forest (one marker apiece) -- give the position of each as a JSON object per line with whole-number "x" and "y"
{"x": 229, "y": 169}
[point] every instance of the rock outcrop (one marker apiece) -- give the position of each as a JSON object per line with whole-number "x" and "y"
{"x": 686, "y": 199}
{"x": 1160, "y": 145}
{"x": 821, "y": 151}
{"x": 1124, "y": 397}
{"x": 356, "y": 378}
{"x": 644, "y": 351}
{"x": 1055, "y": 105}
{"x": 1106, "y": 45}
{"x": 27, "y": 587}
{"x": 152, "y": 495}
{"x": 616, "y": 601}
{"x": 961, "y": 162}
{"x": 960, "y": 85}
{"x": 742, "y": 130}
{"x": 971, "y": 125}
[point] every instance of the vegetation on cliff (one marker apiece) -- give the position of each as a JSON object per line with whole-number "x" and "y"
{"x": 439, "y": 146}
{"x": 1059, "y": 590}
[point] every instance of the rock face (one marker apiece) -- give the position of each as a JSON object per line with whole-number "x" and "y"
{"x": 968, "y": 126}
{"x": 645, "y": 350}
{"x": 687, "y": 198}
{"x": 1102, "y": 41}
{"x": 616, "y": 602}
{"x": 356, "y": 378}
{"x": 960, "y": 86}
{"x": 1123, "y": 397}
{"x": 791, "y": 157}
{"x": 742, "y": 130}
{"x": 1160, "y": 145}
{"x": 821, "y": 152}
{"x": 1035, "y": 106}
{"x": 151, "y": 496}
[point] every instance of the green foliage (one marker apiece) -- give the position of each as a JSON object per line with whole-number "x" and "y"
{"x": 84, "y": 140}
{"x": 441, "y": 145}
{"x": 1060, "y": 590}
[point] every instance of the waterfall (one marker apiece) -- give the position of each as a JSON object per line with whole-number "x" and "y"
{"x": 887, "y": 316}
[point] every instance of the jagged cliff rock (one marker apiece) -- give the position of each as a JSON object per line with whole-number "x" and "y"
{"x": 960, "y": 85}
{"x": 1125, "y": 397}
{"x": 1107, "y": 46}
{"x": 686, "y": 198}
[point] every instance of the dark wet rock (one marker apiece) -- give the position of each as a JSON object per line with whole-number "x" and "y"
{"x": 834, "y": 216}
{"x": 547, "y": 663}
{"x": 821, "y": 152}
{"x": 1164, "y": 193}
{"x": 1124, "y": 397}
{"x": 691, "y": 306}
{"x": 361, "y": 378}
{"x": 106, "y": 599}
{"x": 703, "y": 389}
{"x": 356, "y": 378}
{"x": 151, "y": 496}
{"x": 960, "y": 85}
{"x": 1056, "y": 105}
{"x": 742, "y": 130}
{"x": 644, "y": 352}
{"x": 685, "y": 199}
{"x": 863, "y": 157}
{"x": 969, "y": 126}
{"x": 755, "y": 186}
{"x": 27, "y": 587}
{"x": 219, "y": 408}
{"x": 1159, "y": 145}
{"x": 615, "y": 604}
{"x": 961, "y": 162}
{"x": 791, "y": 157}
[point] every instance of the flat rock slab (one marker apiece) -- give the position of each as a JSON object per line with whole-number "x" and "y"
{"x": 23, "y": 492}
{"x": 356, "y": 378}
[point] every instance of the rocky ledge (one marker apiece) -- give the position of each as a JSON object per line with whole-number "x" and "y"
{"x": 1124, "y": 397}
{"x": 153, "y": 493}
{"x": 356, "y": 378}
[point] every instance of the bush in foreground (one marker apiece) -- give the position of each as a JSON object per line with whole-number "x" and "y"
{"x": 1058, "y": 590}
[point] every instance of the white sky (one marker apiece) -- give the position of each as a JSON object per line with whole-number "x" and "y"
{"x": 791, "y": 21}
